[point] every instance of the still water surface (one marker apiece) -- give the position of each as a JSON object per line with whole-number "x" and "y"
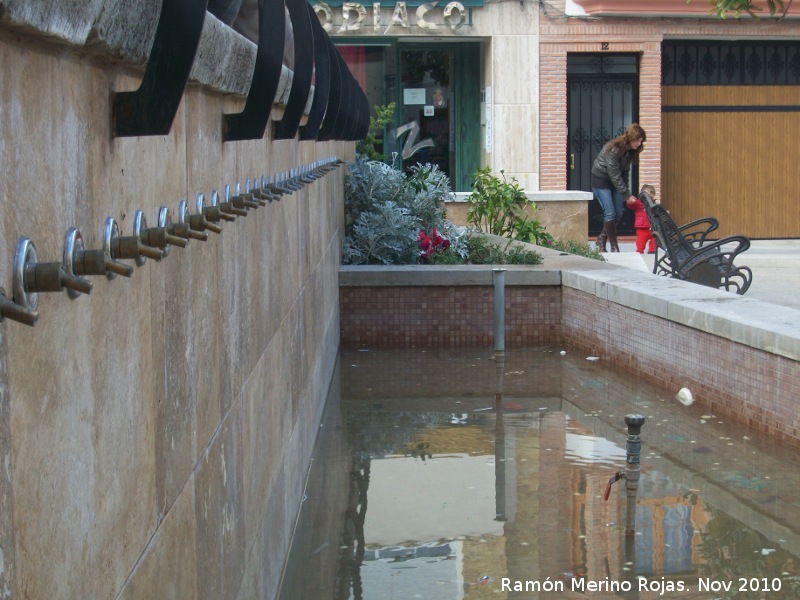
{"x": 449, "y": 475}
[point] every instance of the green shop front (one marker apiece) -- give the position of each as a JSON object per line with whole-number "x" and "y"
{"x": 412, "y": 54}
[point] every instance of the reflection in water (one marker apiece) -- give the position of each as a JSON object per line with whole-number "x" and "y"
{"x": 469, "y": 476}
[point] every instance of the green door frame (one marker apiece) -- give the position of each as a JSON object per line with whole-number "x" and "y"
{"x": 467, "y": 110}
{"x": 467, "y": 107}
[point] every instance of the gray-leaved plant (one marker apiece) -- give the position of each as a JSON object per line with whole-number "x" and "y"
{"x": 387, "y": 234}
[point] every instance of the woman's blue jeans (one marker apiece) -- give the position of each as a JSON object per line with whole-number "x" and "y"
{"x": 611, "y": 201}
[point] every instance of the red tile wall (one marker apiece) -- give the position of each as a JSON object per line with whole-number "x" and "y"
{"x": 440, "y": 317}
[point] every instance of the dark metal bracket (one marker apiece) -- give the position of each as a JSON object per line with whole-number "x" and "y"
{"x": 360, "y": 111}
{"x": 151, "y": 109}
{"x": 286, "y": 128}
{"x": 346, "y": 103}
{"x": 322, "y": 79}
{"x": 251, "y": 123}
{"x": 329, "y": 123}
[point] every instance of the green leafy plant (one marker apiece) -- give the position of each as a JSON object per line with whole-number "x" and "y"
{"x": 377, "y": 122}
{"x": 498, "y": 205}
{"x": 575, "y": 248}
{"x": 483, "y": 252}
{"x": 424, "y": 192}
{"x": 738, "y": 8}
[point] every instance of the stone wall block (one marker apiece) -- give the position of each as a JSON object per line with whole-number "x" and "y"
{"x": 67, "y": 20}
{"x": 82, "y": 459}
{"x": 167, "y": 569}
{"x": 176, "y": 414}
{"x": 224, "y": 59}
{"x": 7, "y": 552}
{"x": 127, "y": 29}
{"x": 266, "y": 420}
{"x": 218, "y": 512}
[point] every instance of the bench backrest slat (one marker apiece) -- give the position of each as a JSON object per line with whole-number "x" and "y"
{"x": 666, "y": 230}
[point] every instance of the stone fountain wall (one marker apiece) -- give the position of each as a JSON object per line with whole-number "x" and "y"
{"x": 155, "y": 434}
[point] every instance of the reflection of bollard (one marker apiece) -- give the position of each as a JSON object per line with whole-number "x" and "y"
{"x": 499, "y": 280}
{"x": 633, "y": 450}
{"x": 499, "y": 441}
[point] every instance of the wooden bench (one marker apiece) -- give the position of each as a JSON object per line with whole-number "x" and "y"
{"x": 686, "y": 252}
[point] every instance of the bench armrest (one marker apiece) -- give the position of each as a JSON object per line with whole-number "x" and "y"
{"x": 715, "y": 251}
{"x": 703, "y": 227}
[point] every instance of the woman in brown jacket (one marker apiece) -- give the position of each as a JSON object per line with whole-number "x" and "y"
{"x": 609, "y": 180}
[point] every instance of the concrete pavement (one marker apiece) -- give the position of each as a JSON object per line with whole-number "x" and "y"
{"x": 775, "y": 265}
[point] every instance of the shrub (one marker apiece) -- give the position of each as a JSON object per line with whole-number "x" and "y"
{"x": 424, "y": 193}
{"x": 484, "y": 252}
{"x": 382, "y": 117}
{"x": 387, "y": 234}
{"x": 497, "y": 206}
{"x": 579, "y": 249}
{"x": 385, "y": 210}
{"x": 368, "y": 183}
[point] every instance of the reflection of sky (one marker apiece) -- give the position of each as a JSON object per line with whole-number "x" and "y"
{"x": 589, "y": 449}
{"x": 440, "y": 498}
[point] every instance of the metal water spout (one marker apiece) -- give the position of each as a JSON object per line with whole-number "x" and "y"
{"x": 633, "y": 451}
{"x": 630, "y": 475}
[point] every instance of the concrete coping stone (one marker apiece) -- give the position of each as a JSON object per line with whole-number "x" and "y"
{"x": 125, "y": 31}
{"x": 444, "y": 275}
{"x": 541, "y": 196}
{"x": 754, "y": 323}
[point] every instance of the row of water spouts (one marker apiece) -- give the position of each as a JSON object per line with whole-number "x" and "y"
{"x": 31, "y": 277}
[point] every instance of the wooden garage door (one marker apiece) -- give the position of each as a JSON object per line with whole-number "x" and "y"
{"x": 732, "y": 151}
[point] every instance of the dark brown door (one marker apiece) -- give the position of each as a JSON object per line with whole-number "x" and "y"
{"x": 602, "y": 102}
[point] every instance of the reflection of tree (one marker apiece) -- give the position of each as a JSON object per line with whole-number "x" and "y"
{"x": 732, "y": 550}
{"x": 418, "y": 62}
{"x": 351, "y": 555}
{"x": 378, "y": 434}
{"x": 373, "y": 434}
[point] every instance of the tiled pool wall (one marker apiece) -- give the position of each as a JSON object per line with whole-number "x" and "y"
{"x": 447, "y": 316}
{"x": 739, "y": 357}
{"x": 732, "y": 379}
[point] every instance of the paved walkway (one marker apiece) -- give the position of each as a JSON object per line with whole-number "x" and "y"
{"x": 775, "y": 265}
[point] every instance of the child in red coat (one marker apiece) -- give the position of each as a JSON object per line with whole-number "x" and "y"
{"x": 644, "y": 235}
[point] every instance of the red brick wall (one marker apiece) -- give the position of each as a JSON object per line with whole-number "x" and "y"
{"x": 441, "y": 317}
{"x": 560, "y": 35}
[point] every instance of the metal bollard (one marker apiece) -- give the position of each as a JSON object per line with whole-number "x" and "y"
{"x": 499, "y": 280}
{"x": 633, "y": 450}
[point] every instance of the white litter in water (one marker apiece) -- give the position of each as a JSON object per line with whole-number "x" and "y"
{"x": 593, "y": 358}
{"x": 563, "y": 352}
{"x": 767, "y": 551}
{"x": 684, "y": 396}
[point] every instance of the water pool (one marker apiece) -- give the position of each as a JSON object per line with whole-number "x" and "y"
{"x": 449, "y": 475}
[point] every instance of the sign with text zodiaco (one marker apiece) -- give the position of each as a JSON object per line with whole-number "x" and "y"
{"x": 352, "y": 16}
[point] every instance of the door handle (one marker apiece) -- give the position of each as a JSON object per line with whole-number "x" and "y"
{"x": 572, "y": 162}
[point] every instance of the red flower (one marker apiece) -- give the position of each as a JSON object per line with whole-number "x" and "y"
{"x": 431, "y": 244}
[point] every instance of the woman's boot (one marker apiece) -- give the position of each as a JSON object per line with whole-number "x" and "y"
{"x": 601, "y": 241}
{"x": 611, "y": 234}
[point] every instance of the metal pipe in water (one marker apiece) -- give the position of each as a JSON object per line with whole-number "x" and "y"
{"x": 499, "y": 440}
{"x": 499, "y": 280}
{"x": 633, "y": 451}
